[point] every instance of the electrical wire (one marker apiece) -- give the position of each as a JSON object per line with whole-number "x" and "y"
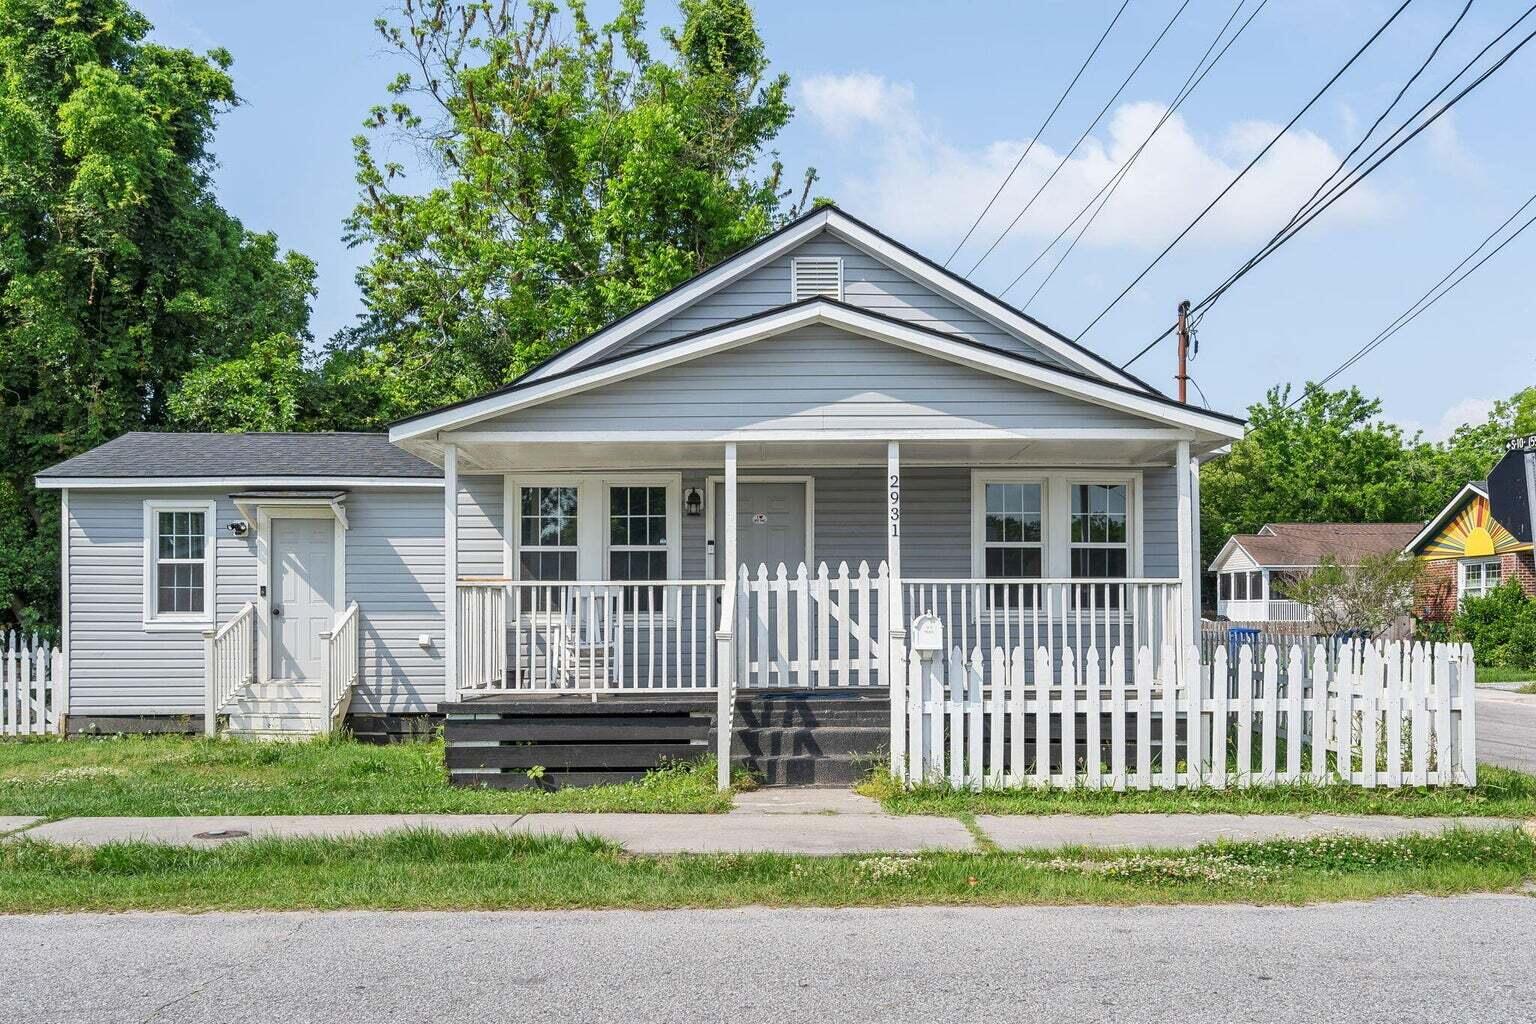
{"x": 1080, "y": 139}
{"x": 1430, "y": 297}
{"x": 1240, "y": 174}
{"x": 1113, "y": 185}
{"x": 1114, "y": 181}
{"x": 1038, "y": 132}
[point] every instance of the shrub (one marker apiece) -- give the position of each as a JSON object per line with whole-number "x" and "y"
{"x": 1500, "y": 626}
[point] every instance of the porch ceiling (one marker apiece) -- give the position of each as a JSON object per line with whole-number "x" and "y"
{"x": 485, "y": 455}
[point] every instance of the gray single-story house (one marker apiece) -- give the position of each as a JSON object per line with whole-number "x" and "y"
{"x": 752, "y": 483}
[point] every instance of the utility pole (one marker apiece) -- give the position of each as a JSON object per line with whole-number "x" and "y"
{"x": 1183, "y": 374}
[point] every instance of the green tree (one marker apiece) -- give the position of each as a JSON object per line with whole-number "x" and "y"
{"x": 574, "y": 176}
{"x": 119, "y": 273}
{"x": 1370, "y": 596}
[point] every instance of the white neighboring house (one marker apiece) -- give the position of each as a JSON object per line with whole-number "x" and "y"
{"x": 1251, "y": 569}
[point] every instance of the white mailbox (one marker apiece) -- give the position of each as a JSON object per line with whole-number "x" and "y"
{"x": 927, "y": 634}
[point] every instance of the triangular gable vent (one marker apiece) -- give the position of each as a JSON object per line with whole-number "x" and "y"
{"x": 811, "y": 276}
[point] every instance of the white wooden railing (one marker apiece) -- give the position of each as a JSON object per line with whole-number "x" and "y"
{"x": 1378, "y": 715}
{"x": 808, "y": 630}
{"x": 1274, "y": 610}
{"x": 1053, "y": 614}
{"x": 592, "y": 636}
{"x": 341, "y": 671}
{"x": 33, "y": 697}
{"x": 229, "y": 664}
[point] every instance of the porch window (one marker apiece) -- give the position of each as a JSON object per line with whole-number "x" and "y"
{"x": 178, "y": 564}
{"x": 1478, "y": 578}
{"x": 1239, "y": 586}
{"x": 637, "y": 540}
{"x": 548, "y": 548}
{"x": 1100, "y": 538}
{"x": 1224, "y": 586}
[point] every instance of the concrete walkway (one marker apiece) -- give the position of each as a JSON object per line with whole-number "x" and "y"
{"x": 784, "y": 821}
{"x": 1506, "y": 727}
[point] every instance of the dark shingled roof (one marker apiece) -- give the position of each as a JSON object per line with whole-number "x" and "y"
{"x": 142, "y": 454}
{"x": 1310, "y": 543}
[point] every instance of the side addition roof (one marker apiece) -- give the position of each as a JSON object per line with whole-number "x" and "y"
{"x": 144, "y": 457}
{"x": 1291, "y": 545}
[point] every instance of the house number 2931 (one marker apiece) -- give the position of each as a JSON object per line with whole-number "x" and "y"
{"x": 895, "y": 504}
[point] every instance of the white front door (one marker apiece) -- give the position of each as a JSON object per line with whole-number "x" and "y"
{"x": 303, "y": 595}
{"x": 770, "y": 525}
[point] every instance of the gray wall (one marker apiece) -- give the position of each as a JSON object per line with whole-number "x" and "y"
{"x": 867, "y": 282}
{"x": 394, "y": 572}
{"x": 816, "y": 379}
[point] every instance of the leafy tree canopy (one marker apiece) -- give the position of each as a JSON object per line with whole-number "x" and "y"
{"x": 1328, "y": 457}
{"x": 119, "y": 273}
{"x": 575, "y": 175}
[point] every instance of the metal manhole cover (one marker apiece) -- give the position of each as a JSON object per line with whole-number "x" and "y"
{"x": 222, "y": 833}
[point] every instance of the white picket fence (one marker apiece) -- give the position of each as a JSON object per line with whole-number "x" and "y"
{"x": 32, "y": 695}
{"x": 1386, "y": 715}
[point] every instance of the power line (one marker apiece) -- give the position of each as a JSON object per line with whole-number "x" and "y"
{"x": 1191, "y": 83}
{"x": 1425, "y": 301}
{"x": 1080, "y": 139}
{"x": 1240, "y": 174}
{"x": 1329, "y": 182}
{"x": 1034, "y": 138}
{"x": 1343, "y": 188}
{"x": 1113, "y": 185}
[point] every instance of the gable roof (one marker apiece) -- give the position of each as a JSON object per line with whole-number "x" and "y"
{"x": 863, "y": 236}
{"x": 1288, "y": 545}
{"x": 1431, "y": 530}
{"x": 143, "y": 455}
{"x": 819, "y": 310}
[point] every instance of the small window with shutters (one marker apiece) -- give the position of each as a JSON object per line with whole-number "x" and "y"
{"x": 810, "y": 276}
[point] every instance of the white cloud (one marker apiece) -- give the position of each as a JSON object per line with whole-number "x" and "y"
{"x": 920, "y": 186}
{"x": 1446, "y": 146}
{"x": 1468, "y": 410}
{"x": 842, "y": 103}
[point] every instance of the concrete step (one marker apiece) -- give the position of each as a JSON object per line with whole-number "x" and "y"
{"x": 304, "y": 724}
{"x": 806, "y": 770}
{"x": 281, "y": 689}
{"x": 827, "y": 741}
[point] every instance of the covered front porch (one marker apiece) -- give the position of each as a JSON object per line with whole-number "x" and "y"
{"x": 609, "y": 572}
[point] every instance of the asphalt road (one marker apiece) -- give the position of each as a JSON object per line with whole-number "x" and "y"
{"x": 1506, "y": 729}
{"x": 1417, "y": 959}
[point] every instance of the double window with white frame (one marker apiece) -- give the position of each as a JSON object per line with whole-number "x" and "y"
{"x": 620, "y": 529}
{"x": 1478, "y": 577}
{"x": 179, "y": 564}
{"x": 1054, "y": 525}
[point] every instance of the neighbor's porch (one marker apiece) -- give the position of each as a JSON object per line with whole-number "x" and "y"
{"x": 602, "y": 568}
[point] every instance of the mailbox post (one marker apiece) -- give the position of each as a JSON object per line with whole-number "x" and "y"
{"x": 927, "y": 634}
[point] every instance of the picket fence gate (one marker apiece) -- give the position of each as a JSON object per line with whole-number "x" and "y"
{"x": 1386, "y": 715}
{"x": 32, "y": 696}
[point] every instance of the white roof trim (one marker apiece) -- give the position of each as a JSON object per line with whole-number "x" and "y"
{"x": 846, "y": 228}
{"x": 834, "y": 315}
{"x": 158, "y": 482}
{"x": 690, "y": 292}
{"x": 1437, "y": 524}
{"x": 1226, "y": 549}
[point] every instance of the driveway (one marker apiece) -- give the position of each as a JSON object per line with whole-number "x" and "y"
{"x": 1419, "y": 959}
{"x": 1506, "y": 728}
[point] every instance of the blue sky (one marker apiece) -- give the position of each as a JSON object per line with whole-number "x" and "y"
{"x": 913, "y": 112}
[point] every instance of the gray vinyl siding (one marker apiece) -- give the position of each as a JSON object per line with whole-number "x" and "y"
{"x": 1160, "y": 517}
{"x": 394, "y": 572}
{"x": 817, "y": 379}
{"x": 868, "y": 282}
{"x": 480, "y": 518}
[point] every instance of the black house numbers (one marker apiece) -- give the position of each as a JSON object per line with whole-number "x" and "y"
{"x": 894, "y": 500}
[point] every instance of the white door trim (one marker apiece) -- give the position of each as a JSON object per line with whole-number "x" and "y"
{"x": 264, "y": 516}
{"x": 709, "y": 515}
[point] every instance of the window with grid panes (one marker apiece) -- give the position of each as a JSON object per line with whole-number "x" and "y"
{"x": 547, "y": 545}
{"x": 637, "y": 541}
{"x": 1013, "y": 545}
{"x": 180, "y": 568}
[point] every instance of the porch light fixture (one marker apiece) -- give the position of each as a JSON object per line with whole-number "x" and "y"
{"x": 693, "y": 502}
{"x": 239, "y": 528}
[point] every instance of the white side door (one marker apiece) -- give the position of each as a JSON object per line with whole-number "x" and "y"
{"x": 303, "y": 595}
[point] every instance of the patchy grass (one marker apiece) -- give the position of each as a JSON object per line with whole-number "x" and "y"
{"x": 1500, "y": 793}
{"x": 157, "y": 776}
{"x": 431, "y": 870}
{"x": 1490, "y": 674}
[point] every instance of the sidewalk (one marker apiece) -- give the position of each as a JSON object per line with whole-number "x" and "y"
{"x": 816, "y": 822}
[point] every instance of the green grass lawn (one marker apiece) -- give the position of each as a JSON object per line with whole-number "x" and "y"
{"x": 430, "y": 870}
{"x": 1500, "y": 793}
{"x": 1488, "y": 674}
{"x": 169, "y": 775}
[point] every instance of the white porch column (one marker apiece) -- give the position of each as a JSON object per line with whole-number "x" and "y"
{"x": 1187, "y": 609}
{"x": 725, "y": 638}
{"x": 893, "y": 660}
{"x": 450, "y": 572}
